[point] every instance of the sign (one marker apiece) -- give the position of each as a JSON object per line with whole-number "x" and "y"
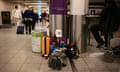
{"x": 58, "y": 6}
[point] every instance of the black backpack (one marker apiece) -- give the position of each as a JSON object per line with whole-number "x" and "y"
{"x": 72, "y": 51}
{"x": 54, "y": 62}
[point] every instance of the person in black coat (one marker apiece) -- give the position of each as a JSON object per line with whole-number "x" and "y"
{"x": 35, "y": 19}
{"x": 109, "y": 23}
{"x": 28, "y": 19}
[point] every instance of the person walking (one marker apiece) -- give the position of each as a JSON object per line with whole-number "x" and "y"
{"x": 109, "y": 23}
{"x": 28, "y": 19}
{"x": 35, "y": 19}
{"x": 16, "y": 15}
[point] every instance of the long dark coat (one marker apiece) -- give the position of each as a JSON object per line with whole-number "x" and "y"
{"x": 110, "y": 19}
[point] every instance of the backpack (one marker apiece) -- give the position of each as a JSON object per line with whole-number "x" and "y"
{"x": 72, "y": 51}
{"x": 54, "y": 62}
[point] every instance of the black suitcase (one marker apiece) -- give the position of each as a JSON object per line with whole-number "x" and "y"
{"x": 20, "y": 30}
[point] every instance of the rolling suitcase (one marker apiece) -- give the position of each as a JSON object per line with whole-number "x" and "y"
{"x": 45, "y": 46}
{"x": 20, "y": 29}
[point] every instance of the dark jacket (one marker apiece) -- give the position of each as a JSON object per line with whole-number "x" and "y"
{"x": 28, "y": 14}
{"x": 110, "y": 19}
{"x": 35, "y": 17}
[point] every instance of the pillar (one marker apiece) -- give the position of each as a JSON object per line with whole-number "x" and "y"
{"x": 78, "y": 8}
{"x": 56, "y": 23}
{"x": 58, "y": 8}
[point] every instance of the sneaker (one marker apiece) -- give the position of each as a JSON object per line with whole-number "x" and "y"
{"x": 100, "y": 45}
{"x": 106, "y": 48}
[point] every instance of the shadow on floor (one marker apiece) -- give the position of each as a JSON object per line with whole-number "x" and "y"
{"x": 6, "y": 26}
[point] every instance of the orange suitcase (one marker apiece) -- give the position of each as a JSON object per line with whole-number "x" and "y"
{"x": 45, "y": 46}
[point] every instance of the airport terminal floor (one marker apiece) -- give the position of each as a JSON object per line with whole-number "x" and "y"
{"x": 16, "y": 56}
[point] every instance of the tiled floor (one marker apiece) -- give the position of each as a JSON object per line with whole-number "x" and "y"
{"x": 16, "y": 56}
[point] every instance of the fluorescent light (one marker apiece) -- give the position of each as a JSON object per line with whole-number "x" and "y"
{"x": 37, "y": 3}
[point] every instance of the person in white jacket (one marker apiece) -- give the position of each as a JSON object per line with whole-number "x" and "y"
{"x": 45, "y": 25}
{"x": 16, "y": 15}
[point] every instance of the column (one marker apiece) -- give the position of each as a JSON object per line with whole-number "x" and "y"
{"x": 78, "y": 10}
{"x": 58, "y": 8}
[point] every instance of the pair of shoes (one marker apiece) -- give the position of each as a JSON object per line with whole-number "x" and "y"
{"x": 100, "y": 45}
{"x": 106, "y": 48}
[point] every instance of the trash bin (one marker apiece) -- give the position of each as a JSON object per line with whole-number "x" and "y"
{"x": 36, "y": 42}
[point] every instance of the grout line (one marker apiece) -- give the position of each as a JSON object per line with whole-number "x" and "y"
{"x": 8, "y": 61}
{"x": 40, "y": 65}
{"x": 22, "y": 65}
{"x": 73, "y": 66}
{"x": 107, "y": 68}
{"x": 87, "y": 65}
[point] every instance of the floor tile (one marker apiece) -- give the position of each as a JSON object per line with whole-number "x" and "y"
{"x": 11, "y": 67}
{"x": 17, "y": 60}
{"x": 83, "y": 71}
{"x": 33, "y": 60}
{"x": 30, "y": 67}
{"x": 99, "y": 71}
{"x": 82, "y": 67}
{"x": 23, "y": 54}
{"x": 80, "y": 61}
{"x": 98, "y": 68}
{"x": 2, "y": 64}
{"x": 113, "y": 66}
{"x": 17, "y": 56}
{"x": 5, "y": 59}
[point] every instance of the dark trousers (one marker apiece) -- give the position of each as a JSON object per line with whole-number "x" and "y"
{"x": 33, "y": 25}
{"x": 28, "y": 26}
{"x": 96, "y": 29}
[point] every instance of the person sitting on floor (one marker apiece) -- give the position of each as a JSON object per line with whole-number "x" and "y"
{"x": 58, "y": 44}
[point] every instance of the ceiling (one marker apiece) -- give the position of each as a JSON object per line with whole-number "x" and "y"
{"x": 27, "y": 0}
{"x": 43, "y": 3}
